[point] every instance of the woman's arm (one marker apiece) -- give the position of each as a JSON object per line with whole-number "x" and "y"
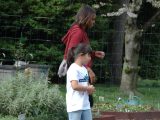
{"x": 99, "y": 54}
{"x": 91, "y": 75}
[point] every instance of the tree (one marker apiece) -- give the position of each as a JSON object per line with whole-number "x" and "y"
{"x": 117, "y": 45}
{"x": 132, "y": 42}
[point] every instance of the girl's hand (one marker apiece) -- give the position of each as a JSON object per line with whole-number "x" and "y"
{"x": 92, "y": 75}
{"x": 90, "y": 89}
{"x": 99, "y": 54}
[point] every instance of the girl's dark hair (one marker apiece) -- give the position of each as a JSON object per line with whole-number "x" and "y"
{"x": 84, "y": 14}
{"x": 75, "y": 51}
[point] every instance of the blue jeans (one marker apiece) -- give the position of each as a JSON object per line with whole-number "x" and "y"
{"x": 80, "y": 115}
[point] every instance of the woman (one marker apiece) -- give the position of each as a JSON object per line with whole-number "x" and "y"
{"x": 84, "y": 20}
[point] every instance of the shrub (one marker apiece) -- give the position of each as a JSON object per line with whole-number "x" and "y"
{"x": 23, "y": 94}
{"x": 7, "y": 118}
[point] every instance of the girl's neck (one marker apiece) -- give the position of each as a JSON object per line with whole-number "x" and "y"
{"x": 78, "y": 63}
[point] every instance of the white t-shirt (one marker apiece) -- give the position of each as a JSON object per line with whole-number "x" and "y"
{"x": 77, "y": 100}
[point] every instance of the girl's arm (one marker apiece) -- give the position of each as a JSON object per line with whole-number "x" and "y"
{"x": 90, "y": 89}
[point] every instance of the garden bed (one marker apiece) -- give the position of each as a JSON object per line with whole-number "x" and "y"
{"x": 110, "y": 111}
{"x": 153, "y": 115}
{"x": 105, "y": 117}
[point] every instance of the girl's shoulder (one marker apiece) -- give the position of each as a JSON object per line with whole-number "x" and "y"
{"x": 74, "y": 66}
{"x": 72, "y": 69}
{"x": 76, "y": 69}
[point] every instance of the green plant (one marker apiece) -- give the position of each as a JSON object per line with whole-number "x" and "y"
{"x": 23, "y": 94}
{"x": 109, "y": 94}
{"x": 7, "y": 117}
{"x": 46, "y": 53}
{"x": 20, "y": 52}
{"x": 122, "y": 108}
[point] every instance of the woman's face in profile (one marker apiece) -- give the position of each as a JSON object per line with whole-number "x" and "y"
{"x": 91, "y": 21}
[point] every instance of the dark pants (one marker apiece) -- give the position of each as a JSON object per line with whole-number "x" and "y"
{"x": 91, "y": 100}
{"x": 91, "y": 97}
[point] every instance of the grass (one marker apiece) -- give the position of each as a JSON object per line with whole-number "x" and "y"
{"x": 106, "y": 98}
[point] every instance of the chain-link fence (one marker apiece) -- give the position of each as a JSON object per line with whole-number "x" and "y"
{"x": 13, "y": 29}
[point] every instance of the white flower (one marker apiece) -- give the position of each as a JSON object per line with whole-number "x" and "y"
{"x": 132, "y": 15}
{"x": 101, "y": 98}
{"x": 4, "y": 55}
{"x": 96, "y": 6}
{"x": 120, "y": 11}
{"x": 103, "y": 15}
{"x": 119, "y": 99}
{"x": 153, "y": 25}
{"x": 31, "y": 55}
{"x": 102, "y": 4}
{"x": 155, "y": 3}
{"x": 149, "y": 0}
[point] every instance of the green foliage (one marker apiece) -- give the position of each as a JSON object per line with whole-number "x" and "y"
{"x": 129, "y": 69}
{"x": 7, "y": 46}
{"x": 122, "y": 107}
{"x": 48, "y": 16}
{"x": 149, "y": 100}
{"x": 19, "y": 51}
{"x": 99, "y": 35}
{"x": 44, "y": 18}
{"x": 32, "y": 97}
{"x": 110, "y": 94}
{"x": 7, "y": 118}
{"x": 150, "y": 54}
{"x": 148, "y": 83}
{"x": 49, "y": 20}
{"x": 44, "y": 53}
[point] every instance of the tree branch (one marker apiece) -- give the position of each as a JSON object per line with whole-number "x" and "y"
{"x": 151, "y": 20}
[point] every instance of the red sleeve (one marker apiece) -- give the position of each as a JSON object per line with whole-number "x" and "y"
{"x": 91, "y": 61}
{"x": 89, "y": 64}
{"x": 93, "y": 54}
{"x": 75, "y": 39}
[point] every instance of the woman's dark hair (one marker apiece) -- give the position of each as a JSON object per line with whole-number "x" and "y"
{"x": 75, "y": 51}
{"x": 84, "y": 14}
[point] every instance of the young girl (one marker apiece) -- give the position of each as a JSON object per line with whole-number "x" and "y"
{"x": 78, "y": 88}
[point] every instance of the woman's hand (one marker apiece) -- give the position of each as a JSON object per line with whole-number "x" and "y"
{"x": 91, "y": 75}
{"x": 90, "y": 89}
{"x": 99, "y": 54}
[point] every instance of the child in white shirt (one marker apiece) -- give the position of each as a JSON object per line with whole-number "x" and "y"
{"x": 78, "y": 88}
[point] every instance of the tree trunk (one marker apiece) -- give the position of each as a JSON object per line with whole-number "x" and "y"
{"x": 117, "y": 46}
{"x": 130, "y": 65}
{"x": 132, "y": 48}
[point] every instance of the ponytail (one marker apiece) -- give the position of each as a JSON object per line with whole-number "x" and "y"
{"x": 70, "y": 56}
{"x": 75, "y": 51}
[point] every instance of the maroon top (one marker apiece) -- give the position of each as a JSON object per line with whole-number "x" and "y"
{"x": 74, "y": 36}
